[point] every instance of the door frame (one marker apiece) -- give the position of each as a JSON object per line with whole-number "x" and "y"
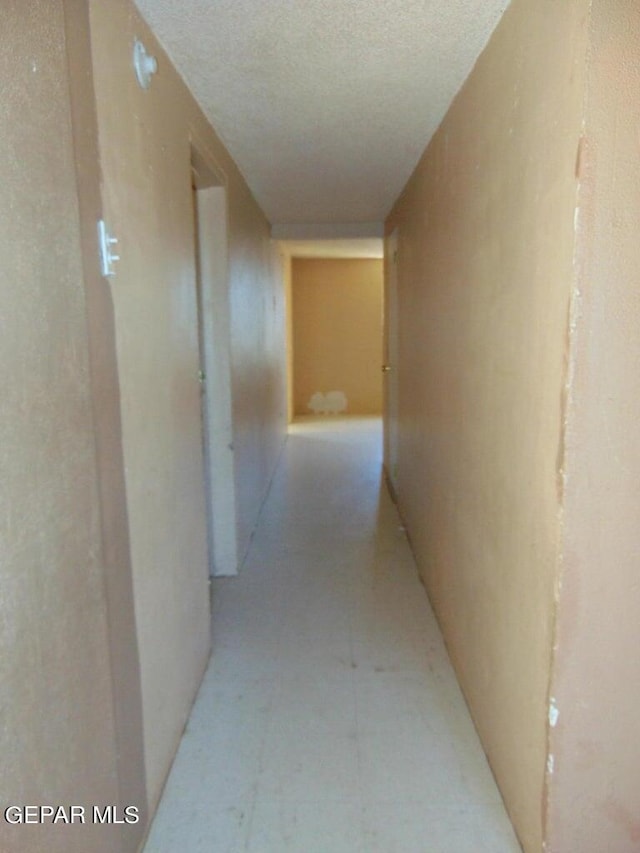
{"x": 391, "y": 360}
{"x": 211, "y": 251}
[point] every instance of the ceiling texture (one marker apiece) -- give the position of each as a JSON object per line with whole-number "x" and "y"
{"x": 325, "y": 105}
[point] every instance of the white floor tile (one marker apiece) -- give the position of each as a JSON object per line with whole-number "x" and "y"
{"x": 312, "y": 706}
{"x": 406, "y": 765}
{"x": 259, "y": 660}
{"x": 287, "y": 827}
{"x": 329, "y": 720}
{"x": 411, "y": 826}
{"x": 308, "y": 766}
{"x": 200, "y": 829}
{"x": 389, "y": 651}
{"x": 388, "y": 702}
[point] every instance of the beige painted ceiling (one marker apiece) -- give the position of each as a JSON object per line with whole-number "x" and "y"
{"x": 325, "y": 105}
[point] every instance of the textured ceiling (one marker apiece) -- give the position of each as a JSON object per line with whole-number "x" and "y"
{"x": 325, "y": 105}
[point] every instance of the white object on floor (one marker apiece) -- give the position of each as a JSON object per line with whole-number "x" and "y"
{"x": 331, "y": 403}
{"x": 329, "y": 720}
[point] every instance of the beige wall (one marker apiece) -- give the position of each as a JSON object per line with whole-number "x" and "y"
{"x": 485, "y": 271}
{"x": 287, "y": 265}
{"x": 59, "y": 737}
{"x": 258, "y": 352}
{"x": 105, "y": 391}
{"x": 145, "y": 139}
{"x": 101, "y": 436}
{"x": 337, "y": 332}
{"x": 594, "y": 791}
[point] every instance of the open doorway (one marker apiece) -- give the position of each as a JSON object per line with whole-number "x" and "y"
{"x": 335, "y": 312}
{"x": 390, "y": 368}
{"x": 210, "y": 242}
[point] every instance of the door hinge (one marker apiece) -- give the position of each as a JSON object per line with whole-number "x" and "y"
{"x": 107, "y": 258}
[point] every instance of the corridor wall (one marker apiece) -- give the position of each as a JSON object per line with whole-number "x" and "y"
{"x": 105, "y": 611}
{"x": 519, "y": 464}
{"x": 59, "y": 737}
{"x": 146, "y": 139}
{"x": 485, "y": 274}
{"x": 594, "y": 790}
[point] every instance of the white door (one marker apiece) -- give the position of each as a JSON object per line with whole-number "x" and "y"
{"x": 210, "y": 205}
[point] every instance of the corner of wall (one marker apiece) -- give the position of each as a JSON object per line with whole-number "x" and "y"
{"x": 594, "y": 775}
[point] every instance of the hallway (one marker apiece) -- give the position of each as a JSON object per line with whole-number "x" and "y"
{"x": 329, "y": 719}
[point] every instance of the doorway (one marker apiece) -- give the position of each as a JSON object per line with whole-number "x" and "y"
{"x": 337, "y": 312}
{"x": 390, "y": 367}
{"x": 211, "y": 251}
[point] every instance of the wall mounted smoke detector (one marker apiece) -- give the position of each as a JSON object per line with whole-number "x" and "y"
{"x": 144, "y": 64}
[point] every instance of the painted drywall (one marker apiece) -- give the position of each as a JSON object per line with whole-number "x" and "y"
{"x": 485, "y": 254}
{"x": 337, "y": 335}
{"x": 258, "y": 353}
{"x": 594, "y": 790}
{"x": 58, "y": 738}
{"x": 286, "y": 266}
{"x": 145, "y": 140}
{"x": 105, "y": 393}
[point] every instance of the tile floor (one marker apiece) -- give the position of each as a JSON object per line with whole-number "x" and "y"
{"x": 329, "y": 720}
